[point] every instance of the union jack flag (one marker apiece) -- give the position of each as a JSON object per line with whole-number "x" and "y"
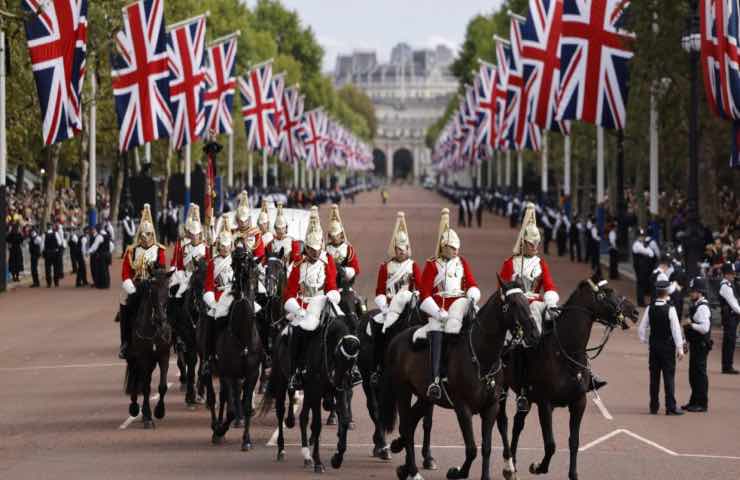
{"x": 720, "y": 23}
{"x": 470, "y": 126}
{"x": 291, "y": 144}
{"x": 278, "y": 86}
{"x": 57, "y": 44}
{"x": 218, "y": 99}
{"x": 141, "y": 76}
{"x": 487, "y": 108}
{"x": 259, "y": 107}
{"x": 187, "y": 64}
{"x": 594, "y": 62}
{"x": 503, "y": 92}
{"x": 521, "y": 133}
{"x": 314, "y": 127}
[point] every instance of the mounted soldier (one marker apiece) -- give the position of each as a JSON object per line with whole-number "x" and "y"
{"x": 137, "y": 261}
{"x": 282, "y": 241}
{"x": 311, "y": 283}
{"x": 398, "y": 281}
{"x": 347, "y": 264}
{"x": 188, "y": 252}
{"x": 263, "y": 223}
{"x": 246, "y": 235}
{"x": 448, "y": 292}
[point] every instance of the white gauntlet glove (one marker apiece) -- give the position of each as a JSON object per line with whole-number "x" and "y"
{"x": 128, "y": 286}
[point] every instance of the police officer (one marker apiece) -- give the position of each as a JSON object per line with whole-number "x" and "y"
{"x": 574, "y": 239}
{"x": 697, "y": 331}
{"x": 35, "y": 244}
{"x": 52, "y": 251}
{"x": 665, "y": 267}
{"x": 730, "y": 311}
{"x": 642, "y": 259}
{"x": 661, "y": 330}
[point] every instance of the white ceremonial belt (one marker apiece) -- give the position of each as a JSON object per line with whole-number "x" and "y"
{"x": 308, "y": 299}
{"x": 458, "y": 293}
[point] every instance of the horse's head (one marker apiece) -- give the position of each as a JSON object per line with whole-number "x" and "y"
{"x": 518, "y": 317}
{"x": 198, "y": 278}
{"x": 608, "y": 308}
{"x": 345, "y": 356}
{"x": 242, "y": 262}
{"x": 156, "y": 289}
{"x": 274, "y": 273}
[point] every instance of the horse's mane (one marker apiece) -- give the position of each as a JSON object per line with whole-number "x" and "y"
{"x": 581, "y": 284}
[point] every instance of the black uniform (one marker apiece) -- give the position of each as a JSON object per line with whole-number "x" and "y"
{"x": 78, "y": 260}
{"x": 729, "y": 328}
{"x": 699, "y": 347}
{"x": 662, "y": 359}
{"x": 547, "y": 230}
{"x": 574, "y": 233}
{"x": 100, "y": 259}
{"x": 34, "y": 251}
{"x": 642, "y": 264}
{"x": 53, "y": 248}
{"x": 15, "y": 257}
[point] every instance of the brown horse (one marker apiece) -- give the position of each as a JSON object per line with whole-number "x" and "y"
{"x": 563, "y": 374}
{"x": 474, "y": 371}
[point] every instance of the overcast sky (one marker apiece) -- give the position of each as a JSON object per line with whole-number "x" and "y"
{"x": 344, "y": 25}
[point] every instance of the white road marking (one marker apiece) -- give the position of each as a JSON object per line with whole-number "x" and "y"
{"x": 69, "y": 365}
{"x": 299, "y": 401}
{"x": 154, "y": 398}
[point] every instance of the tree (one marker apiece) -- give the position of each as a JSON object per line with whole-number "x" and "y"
{"x": 361, "y": 104}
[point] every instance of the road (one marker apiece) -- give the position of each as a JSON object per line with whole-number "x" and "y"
{"x": 62, "y": 406}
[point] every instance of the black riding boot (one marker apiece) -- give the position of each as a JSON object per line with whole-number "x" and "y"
{"x": 296, "y": 360}
{"x": 596, "y": 382}
{"x": 434, "y": 392}
{"x": 123, "y": 327}
{"x": 522, "y": 402}
{"x": 210, "y": 345}
{"x": 378, "y": 353}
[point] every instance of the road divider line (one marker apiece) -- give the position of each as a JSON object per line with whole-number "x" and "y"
{"x": 154, "y": 398}
{"x": 70, "y": 365}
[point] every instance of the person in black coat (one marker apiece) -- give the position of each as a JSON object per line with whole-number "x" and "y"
{"x": 15, "y": 252}
{"x": 52, "y": 250}
{"x": 35, "y": 243}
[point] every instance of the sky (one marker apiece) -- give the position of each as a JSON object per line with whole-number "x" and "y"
{"x": 345, "y": 25}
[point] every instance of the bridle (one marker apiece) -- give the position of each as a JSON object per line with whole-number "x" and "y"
{"x": 158, "y": 314}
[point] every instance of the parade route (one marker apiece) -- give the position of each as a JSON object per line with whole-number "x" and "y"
{"x": 63, "y": 403}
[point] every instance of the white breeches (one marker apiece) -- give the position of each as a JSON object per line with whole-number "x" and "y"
{"x": 398, "y": 303}
{"x": 308, "y": 318}
{"x": 538, "y": 310}
{"x": 453, "y": 321}
{"x": 181, "y": 278}
{"x": 220, "y": 308}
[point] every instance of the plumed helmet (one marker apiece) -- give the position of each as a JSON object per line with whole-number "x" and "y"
{"x": 335, "y": 222}
{"x": 400, "y": 238}
{"x": 243, "y": 211}
{"x": 529, "y": 232}
{"x": 280, "y": 222}
{"x": 314, "y": 233}
{"x": 224, "y": 237}
{"x": 146, "y": 226}
{"x": 446, "y": 236}
{"x": 263, "y": 216}
{"x": 193, "y": 225}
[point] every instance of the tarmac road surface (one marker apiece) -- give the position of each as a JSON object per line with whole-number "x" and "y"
{"x": 63, "y": 413}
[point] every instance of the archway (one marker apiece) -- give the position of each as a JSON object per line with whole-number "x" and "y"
{"x": 403, "y": 163}
{"x": 379, "y": 162}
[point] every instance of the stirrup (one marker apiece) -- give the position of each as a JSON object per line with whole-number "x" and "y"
{"x": 522, "y": 404}
{"x": 434, "y": 392}
{"x": 356, "y": 376}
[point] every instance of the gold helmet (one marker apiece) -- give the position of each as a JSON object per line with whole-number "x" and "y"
{"x": 193, "y": 225}
{"x": 224, "y": 237}
{"x": 280, "y": 222}
{"x": 263, "y": 217}
{"x": 243, "y": 213}
{"x": 146, "y": 228}
{"x": 314, "y": 233}
{"x": 335, "y": 223}
{"x": 446, "y": 237}
{"x": 529, "y": 232}
{"x": 400, "y": 238}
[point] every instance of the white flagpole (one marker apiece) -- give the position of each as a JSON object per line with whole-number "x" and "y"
{"x": 508, "y": 168}
{"x": 654, "y": 169}
{"x": 599, "y": 164}
{"x": 148, "y": 153}
{"x": 231, "y": 161}
{"x": 187, "y": 177}
{"x": 566, "y": 165}
{"x": 296, "y": 168}
{"x": 309, "y": 177}
{"x": 545, "y": 153}
{"x": 3, "y": 136}
{"x": 92, "y": 173}
{"x": 250, "y": 169}
{"x": 489, "y": 172}
{"x": 137, "y": 162}
{"x": 264, "y": 168}
{"x": 519, "y": 170}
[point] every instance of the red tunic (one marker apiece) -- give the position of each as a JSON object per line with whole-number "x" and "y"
{"x": 351, "y": 260}
{"x": 210, "y": 285}
{"x": 543, "y": 283}
{"x": 294, "y": 281}
{"x": 382, "y": 284}
{"x": 127, "y": 269}
{"x": 177, "y": 257}
{"x": 430, "y": 274}
{"x": 295, "y": 250}
{"x": 259, "y": 246}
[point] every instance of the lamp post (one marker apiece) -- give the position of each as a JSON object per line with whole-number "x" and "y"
{"x": 691, "y": 42}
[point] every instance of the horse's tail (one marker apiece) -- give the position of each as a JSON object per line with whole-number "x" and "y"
{"x": 388, "y": 405}
{"x": 131, "y": 379}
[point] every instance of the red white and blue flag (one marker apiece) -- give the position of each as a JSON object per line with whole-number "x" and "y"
{"x": 594, "y": 70}
{"x": 291, "y": 144}
{"x": 218, "y": 99}
{"x": 487, "y": 108}
{"x": 519, "y": 129}
{"x": 141, "y": 76}
{"x": 259, "y": 107}
{"x": 278, "y": 86}
{"x": 57, "y": 44}
{"x": 187, "y": 48}
{"x": 314, "y": 140}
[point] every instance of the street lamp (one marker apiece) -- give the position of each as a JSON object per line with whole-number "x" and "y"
{"x": 691, "y": 42}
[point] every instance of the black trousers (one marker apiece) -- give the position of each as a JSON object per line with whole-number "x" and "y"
{"x": 561, "y": 238}
{"x": 35, "y": 269}
{"x": 595, "y": 256}
{"x": 662, "y": 361}
{"x": 729, "y": 339}
{"x": 548, "y": 239}
{"x": 81, "y": 272}
{"x": 698, "y": 353}
{"x": 51, "y": 269}
{"x": 575, "y": 249}
{"x": 613, "y": 264}
{"x": 479, "y": 216}
{"x": 642, "y": 287}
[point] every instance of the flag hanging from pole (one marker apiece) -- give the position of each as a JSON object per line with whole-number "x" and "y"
{"x": 259, "y": 106}
{"x": 218, "y": 99}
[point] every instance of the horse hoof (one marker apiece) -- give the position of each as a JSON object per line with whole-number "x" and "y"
{"x": 148, "y": 425}
{"x": 430, "y": 464}
{"x": 307, "y": 463}
{"x": 397, "y": 445}
{"x": 281, "y": 456}
{"x": 509, "y": 475}
{"x": 401, "y": 472}
{"x": 351, "y": 426}
{"x": 336, "y": 461}
{"x": 332, "y": 420}
{"x": 385, "y": 455}
{"x": 455, "y": 473}
{"x": 246, "y": 446}
{"x": 535, "y": 469}
{"x": 133, "y": 409}
{"x": 217, "y": 439}
{"x": 319, "y": 468}
{"x": 239, "y": 423}
{"x": 290, "y": 422}
{"x": 159, "y": 411}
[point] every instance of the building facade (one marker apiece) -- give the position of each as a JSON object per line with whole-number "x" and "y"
{"x": 410, "y": 92}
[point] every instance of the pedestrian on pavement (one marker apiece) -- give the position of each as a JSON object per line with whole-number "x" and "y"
{"x": 697, "y": 330}
{"x": 462, "y": 211}
{"x": 730, "y": 311}
{"x": 52, "y": 251}
{"x": 574, "y": 234}
{"x": 78, "y": 259}
{"x": 661, "y": 330}
{"x": 642, "y": 260}
{"x": 594, "y": 239}
{"x": 15, "y": 251}
{"x": 478, "y": 205}
{"x": 35, "y": 244}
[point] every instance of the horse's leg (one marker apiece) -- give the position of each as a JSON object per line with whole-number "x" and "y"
{"x": 211, "y": 402}
{"x": 465, "y": 420}
{"x": 239, "y": 399}
{"x": 502, "y": 422}
{"x": 576, "y": 415}
{"x": 350, "y": 418}
{"x": 426, "y": 449}
{"x": 380, "y": 449}
{"x": 519, "y": 419}
{"x": 280, "y": 414}
{"x": 190, "y": 360}
{"x": 409, "y": 417}
{"x": 164, "y": 366}
{"x": 342, "y": 427}
{"x": 488, "y": 417}
{"x": 182, "y": 367}
{"x": 318, "y": 467}
{"x": 544, "y": 409}
{"x": 249, "y": 384}
{"x": 146, "y": 390}
{"x": 303, "y": 419}
{"x": 290, "y": 417}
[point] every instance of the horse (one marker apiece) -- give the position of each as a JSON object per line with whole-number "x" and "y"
{"x": 330, "y": 352}
{"x": 150, "y": 345}
{"x": 474, "y": 371}
{"x": 238, "y": 353}
{"x": 563, "y": 373}
{"x": 185, "y": 316}
{"x": 411, "y": 316}
{"x": 272, "y": 318}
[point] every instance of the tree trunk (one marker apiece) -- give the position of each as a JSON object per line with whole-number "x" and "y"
{"x": 52, "y": 161}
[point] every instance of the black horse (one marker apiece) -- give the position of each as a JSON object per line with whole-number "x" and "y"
{"x": 185, "y": 315}
{"x": 562, "y": 375}
{"x": 238, "y": 353}
{"x": 150, "y": 345}
{"x": 474, "y": 372}
{"x": 272, "y": 317}
{"x": 411, "y": 316}
{"x": 330, "y": 352}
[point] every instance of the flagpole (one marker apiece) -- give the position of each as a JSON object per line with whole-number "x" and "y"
{"x": 3, "y": 167}
{"x": 275, "y": 172}
{"x": 508, "y": 168}
{"x": 264, "y": 168}
{"x": 544, "y": 162}
{"x": 599, "y": 164}
{"x": 519, "y": 170}
{"x": 148, "y": 153}
{"x": 308, "y": 179}
{"x": 654, "y": 169}
{"x": 187, "y": 179}
{"x": 92, "y": 173}
{"x": 489, "y": 172}
{"x": 231, "y": 161}
{"x": 566, "y": 165}
{"x": 296, "y": 167}
{"x": 250, "y": 169}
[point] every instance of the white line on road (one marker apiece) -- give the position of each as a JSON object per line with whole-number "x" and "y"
{"x": 130, "y": 419}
